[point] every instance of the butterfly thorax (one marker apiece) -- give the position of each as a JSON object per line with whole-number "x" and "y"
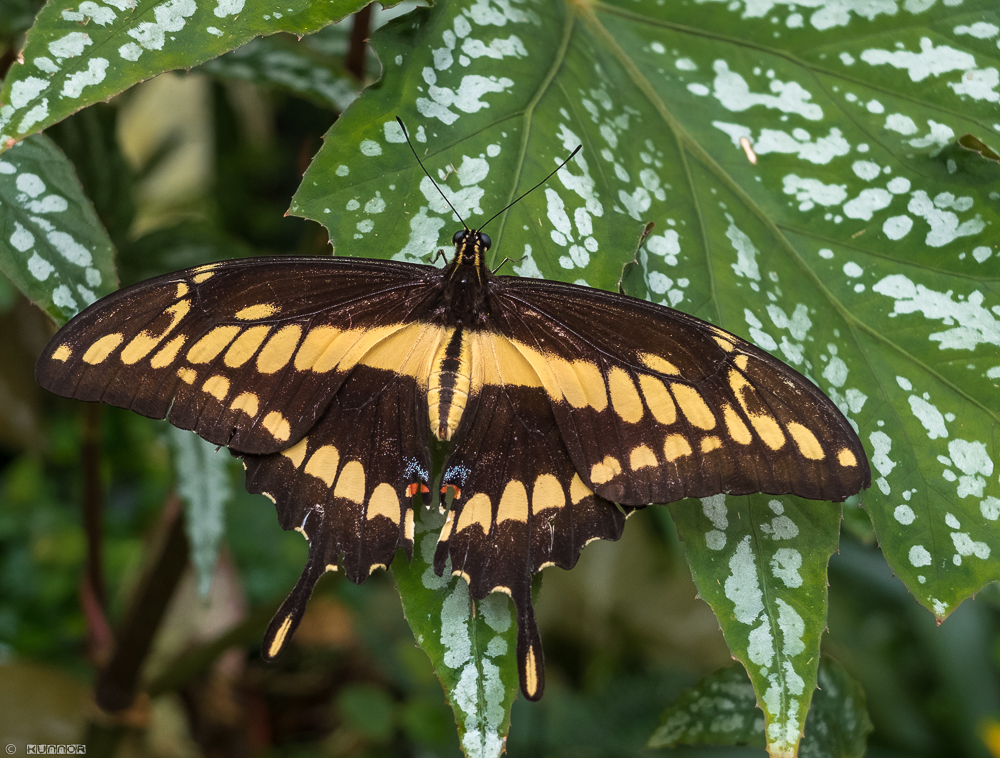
{"x": 463, "y": 310}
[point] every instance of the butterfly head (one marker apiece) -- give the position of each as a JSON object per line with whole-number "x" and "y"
{"x": 471, "y": 245}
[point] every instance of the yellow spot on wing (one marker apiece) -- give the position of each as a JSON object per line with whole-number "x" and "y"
{"x": 606, "y": 470}
{"x": 408, "y": 524}
{"x": 198, "y": 279}
{"x": 345, "y": 349}
{"x": 513, "y": 503}
{"x": 642, "y": 457}
{"x": 693, "y": 406}
{"x": 279, "y": 349}
{"x": 384, "y": 502}
{"x": 351, "y": 483}
{"x": 734, "y": 424}
{"x": 62, "y": 353}
{"x": 578, "y": 490}
{"x": 806, "y": 441}
{"x": 656, "y": 363}
{"x": 246, "y": 402}
{"x": 446, "y": 529}
{"x": 258, "y": 311}
{"x": 676, "y": 446}
{"x": 323, "y": 464}
{"x": 500, "y": 362}
{"x": 166, "y": 354}
{"x": 846, "y": 458}
{"x": 741, "y": 361}
{"x": 658, "y": 399}
{"x": 182, "y": 289}
{"x": 216, "y": 386}
{"x": 724, "y": 344}
{"x": 316, "y": 342}
{"x": 479, "y": 510}
{"x": 530, "y": 673}
{"x": 408, "y": 350}
{"x": 279, "y": 638}
{"x": 140, "y": 346}
{"x": 277, "y": 425}
{"x": 592, "y": 381}
{"x": 187, "y": 375}
{"x": 244, "y": 346}
{"x": 708, "y": 444}
{"x": 297, "y": 452}
{"x": 213, "y": 343}
{"x": 765, "y": 426}
{"x": 548, "y": 493}
{"x": 580, "y": 383}
{"x": 144, "y": 342}
{"x": 624, "y": 396}
{"x": 102, "y": 348}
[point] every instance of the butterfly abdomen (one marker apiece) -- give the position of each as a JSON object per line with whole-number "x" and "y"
{"x": 449, "y": 384}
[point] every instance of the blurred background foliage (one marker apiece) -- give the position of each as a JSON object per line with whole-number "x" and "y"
{"x": 624, "y": 631}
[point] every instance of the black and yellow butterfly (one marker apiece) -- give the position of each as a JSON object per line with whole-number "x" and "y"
{"x": 567, "y": 408}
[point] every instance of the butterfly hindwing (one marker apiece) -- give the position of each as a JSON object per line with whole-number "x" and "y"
{"x": 348, "y": 485}
{"x": 245, "y": 353}
{"x": 655, "y": 406}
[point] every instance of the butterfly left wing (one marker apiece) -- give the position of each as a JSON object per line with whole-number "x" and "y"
{"x": 246, "y": 353}
{"x": 655, "y": 405}
{"x": 519, "y": 503}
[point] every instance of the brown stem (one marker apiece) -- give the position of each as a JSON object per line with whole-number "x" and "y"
{"x": 92, "y": 591}
{"x": 117, "y": 684}
{"x": 355, "y": 60}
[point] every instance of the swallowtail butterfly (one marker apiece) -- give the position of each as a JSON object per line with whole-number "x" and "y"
{"x": 567, "y": 408}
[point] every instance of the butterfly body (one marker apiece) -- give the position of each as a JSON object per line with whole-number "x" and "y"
{"x": 566, "y": 408}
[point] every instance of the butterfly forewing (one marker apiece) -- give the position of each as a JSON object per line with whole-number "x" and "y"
{"x": 245, "y": 353}
{"x": 655, "y": 406}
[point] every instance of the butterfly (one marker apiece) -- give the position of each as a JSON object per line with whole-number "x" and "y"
{"x": 567, "y": 409}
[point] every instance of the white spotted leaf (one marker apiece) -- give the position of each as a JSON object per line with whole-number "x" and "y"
{"x": 204, "y": 484}
{"x": 720, "y": 709}
{"x": 799, "y": 163}
{"x": 761, "y": 562}
{"x": 471, "y": 644}
{"x": 52, "y": 245}
{"x": 77, "y": 54}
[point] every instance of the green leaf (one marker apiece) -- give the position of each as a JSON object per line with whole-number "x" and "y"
{"x": 760, "y": 562}
{"x": 796, "y": 162}
{"x": 471, "y": 644}
{"x": 76, "y": 55}
{"x": 295, "y": 65}
{"x": 203, "y": 483}
{"x": 52, "y": 245}
{"x": 721, "y": 710}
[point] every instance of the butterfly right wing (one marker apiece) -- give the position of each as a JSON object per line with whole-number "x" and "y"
{"x": 246, "y": 353}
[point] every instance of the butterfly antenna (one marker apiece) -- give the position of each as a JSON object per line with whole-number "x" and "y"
{"x": 400, "y": 122}
{"x": 571, "y": 156}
